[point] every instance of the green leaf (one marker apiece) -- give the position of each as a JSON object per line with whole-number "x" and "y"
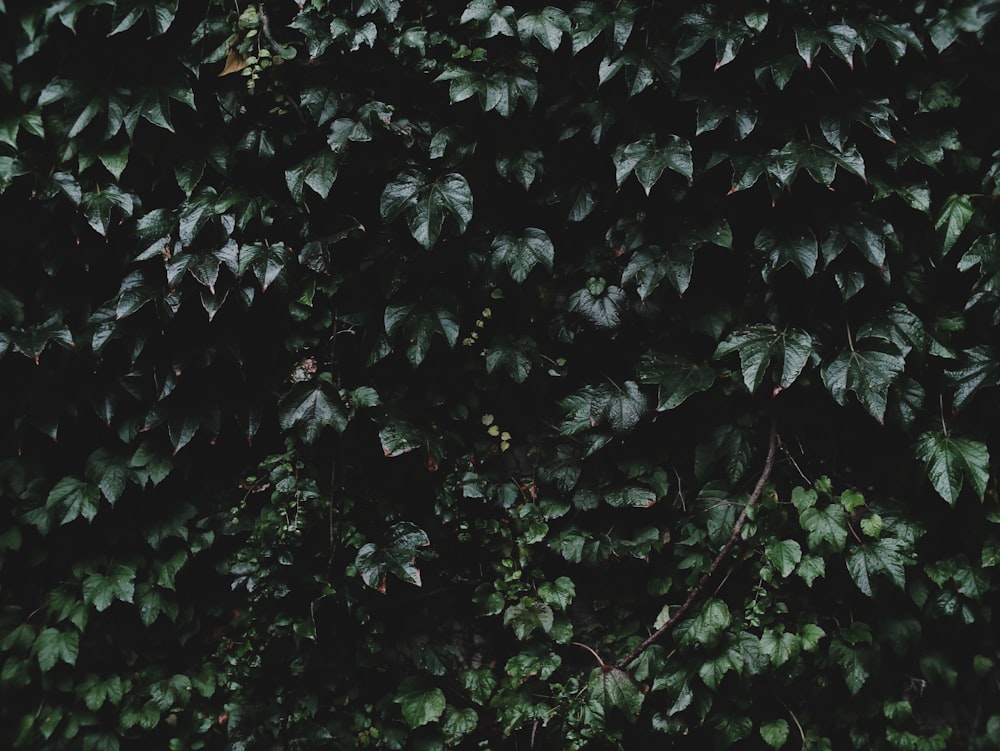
{"x": 310, "y": 407}
{"x": 758, "y": 344}
{"x": 978, "y": 367}
{"x": 784, "y": 555}
{"x": 52, "y": 646}
{"x": 868, "y": 369}
{"x": 827, "y": 527}
{"x": 396, "y": 556}
{"x": 603, "y": 309}
{"x": 954, "y": 217}
{"x": 528, "y": 615}
{"x": 559, "y": 594}
{"x": 419, "y": 703}
{"x": 101, "y": 590}
{"x": 73, "y": 497}
{"x": 677, "y": 377}
{"x": 950, "y": 461}
{"x": 858, "y": 663}
{"x": 612, "y": 687}
{"x": 480, "y": 683}
{"x": 426, "y": 204}
{"x": 811, "y": 568}
{"x": 799, "y": 249}
{"x": 631, "y": 496}
{"x": 458, "y": 723}
{"x": 547, "y": 26}
{"x": 886, "y": 557}
{"x": 515, "y": 356}
{"x": 521, "y": 253}
{"x": 625, "y": 407}
{"x": 707, "y": 627}
{"x": 774, "y": 733}
{"x": 110, "y": 471}
{"x": 648, "y": 161}
{"x": 779, "y": 646}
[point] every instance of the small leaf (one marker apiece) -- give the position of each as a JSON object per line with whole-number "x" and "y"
{"x": 757, "y": 345}
{"x": 827, "y": 527}
{"x": 527, "y": 616}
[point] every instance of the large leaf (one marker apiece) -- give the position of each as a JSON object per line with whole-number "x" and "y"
{"x": 547, "y": 26}
{"x": 419, "y": 703}
{"x": 521, "y": 253}
{"x": 101, "y": 589}
{"x": 867, "y": 369}
{"x": 886, "y": 557}
{"x": 613, "y": 687}
{"x": 949, "y": 461}
{"x": 73, "y": 497}
{"x": 310, "y": 407}
{"x": 954, "y": 216}
{"x": 52, "y": 646}
{"x": 827, "y": 527}
{"x": 425, "y": 204}
{"x": 396, "y": 556}
{"x": 648, "y": 161}
{"x": 677, "y": 377}
{"x": 799, "y": 249}
{"x": 977, "y": 368}
{"x": 758, "y": 344}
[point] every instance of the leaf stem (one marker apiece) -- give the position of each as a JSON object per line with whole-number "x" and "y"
{"x": 944, "y": 426}
{"x": 850, "y": 338}
{"x": 765, "y": 475}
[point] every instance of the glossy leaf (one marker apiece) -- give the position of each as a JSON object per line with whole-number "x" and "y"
{"x": 950, "y": 461}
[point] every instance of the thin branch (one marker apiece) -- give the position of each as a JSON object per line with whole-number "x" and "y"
{"x": 765, "y": 475}
{"x": 597, "y": 657}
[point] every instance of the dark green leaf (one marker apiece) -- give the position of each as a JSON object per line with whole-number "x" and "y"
{"x": 884, "y": 557}
{"x": 420, "y": 703}
{"x": 612, "y": 687}
{"x": 757, "y": 345}
{"x": 677, "y": 377}
{"x": 520, "y": 253}
{"x": 949, "y": 461}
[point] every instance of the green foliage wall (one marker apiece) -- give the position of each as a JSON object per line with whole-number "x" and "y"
{"x": 387, "y": 374}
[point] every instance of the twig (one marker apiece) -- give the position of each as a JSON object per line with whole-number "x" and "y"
{"x": 765, "y": 475}
{"x": 597, "y": 657}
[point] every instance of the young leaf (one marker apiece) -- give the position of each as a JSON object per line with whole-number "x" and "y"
{"x": 948, "y": 461}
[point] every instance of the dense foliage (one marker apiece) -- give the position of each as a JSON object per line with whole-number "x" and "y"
{"x": 387, "y": 374}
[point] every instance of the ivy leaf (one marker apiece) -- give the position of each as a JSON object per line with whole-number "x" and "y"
{"x": 801, "y": 250}
{"x": 399, "y": 438}
{"x": 53, "y": 645}
{"x": 521, "y": 253}
{"x": 949, "y": 461}
{"x": 110, "y": 471}
{"x": 954, "y": 216}
{"x": 626, "y": 407}
{"x": 649, "y": 161}
{"x": 677, "y": 377}
{"x": 868, "y": 369}
{"x": 559, "y": 594}
{"x": 73, "y": 497}
{"x": 774, "y": 733}
{"x": 480, "y": 683}
{"x": 784, "y": 555}
{"x": 707, "y": 627}
{"x": 827, "y": 527}
{"x": 513, "y": 355}
{"x": 547, "y": 26}
{"x": 396, "y": 556}
{"x": 886, "y": 556}
{"x": 528, "y": 615}
{"x": 101, "y": 590}
{"x": 977, "y": 368}
{"x": 458, "y": 723}
{"x": 613, "y": 687}
{"x": 632, "y": 496}
{"x": 426, "y": 204}
{"x": 310, "y": 407}
{"x": 419, "y": 703}
{"x": 758, "y": 344}
{"x": 603, "y": 309}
